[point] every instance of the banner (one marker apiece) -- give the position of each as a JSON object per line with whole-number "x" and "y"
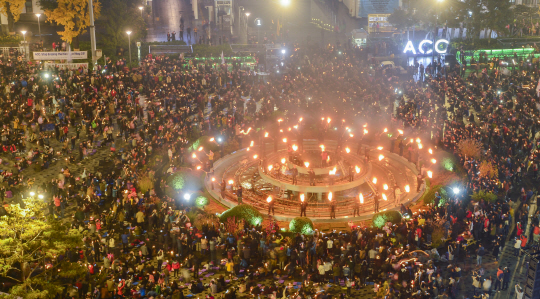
{"x": 60, "y": 55}
{"x": 66, "y": 66}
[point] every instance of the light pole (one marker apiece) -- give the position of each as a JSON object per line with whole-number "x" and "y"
{"x": 284, "y": 3}
{"x": 247, "y": 35}
{"x": 435, "y": 31}
{"x": 141, "y": 9}
{"x": 129, "y": 42}
{"x": 39, "y": 26}
{"x": 24, "y": 35}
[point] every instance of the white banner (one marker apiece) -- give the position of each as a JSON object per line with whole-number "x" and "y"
{"x": 60, "y": 55}
{"x": 66, "y": 66}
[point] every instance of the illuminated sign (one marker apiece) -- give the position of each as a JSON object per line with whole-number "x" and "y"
{"x": 439, "y": 48}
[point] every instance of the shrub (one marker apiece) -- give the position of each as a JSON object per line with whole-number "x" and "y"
{"x": 243, "y": 211}
{"x": 380, "y": 219}
{"x": 486, "y": 196}
{"x": 488, "y": 170}
{"x": 200, "y": 199}
{"x": 429, "y": 196}
{"x": 185, "y": 179}
{"x": 145, "y": 183}
{"x": 205, "y": 142}
{"x": 301, "y": 225}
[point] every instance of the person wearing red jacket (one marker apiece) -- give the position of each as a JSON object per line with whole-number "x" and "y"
{"x": 121, "y": 286}
{"x": 176, "y": 268}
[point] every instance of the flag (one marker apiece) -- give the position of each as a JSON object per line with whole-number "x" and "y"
{"x": 538, "y": 89}
{"x": 222, "y": 58}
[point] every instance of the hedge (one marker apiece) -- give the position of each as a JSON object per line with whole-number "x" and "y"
{"x": 429, "y": 196}
{"x": 243, "y": 211}
{"x": 380, "y": 219}
{"x": 301, "y": 225}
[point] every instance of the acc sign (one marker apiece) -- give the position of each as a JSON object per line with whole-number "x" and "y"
{"x": 410, "y": 48}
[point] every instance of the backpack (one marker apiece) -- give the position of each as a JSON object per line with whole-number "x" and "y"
{"x": 481, "y": 251}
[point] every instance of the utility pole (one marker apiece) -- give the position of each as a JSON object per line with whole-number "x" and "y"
{"x": 92, "y": 32}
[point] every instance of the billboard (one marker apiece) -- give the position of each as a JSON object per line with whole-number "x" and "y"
{"x": 379, "y": 23}
{"x": 367, "y": 7}
{"x": 60, "y": 55}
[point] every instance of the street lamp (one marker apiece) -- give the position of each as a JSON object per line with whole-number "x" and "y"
{"x": 285, "y": 2}
{"x": 141, "y": 9}
{"x": 247, "y": 33}
{"x": 39, "y": 25}
{"x": 24, "y": 34}
{"x": 129, "y": 41}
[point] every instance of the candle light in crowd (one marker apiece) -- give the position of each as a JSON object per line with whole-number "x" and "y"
{"x": 381, "y": 157}
{"x": 231, "y": 182}
{"x": 400, "y": 132}
{"x": 194, "y": 156}
{"x": 302, "y": 197}
{"x": 430, "y": 151}
{"x": 351, "y": 135}
{"x": 348, "y": 150}
{"x": 380, "y": 148}
{"x": 212, "y": 139}
{"x": 365, "y": 131}
{"x": 385, "y": 130}
{"x": 285, "y": 140}
{"x": 361, "y": 197}
{"x": 199, "y": 167}
{"x": 213, "y": 179}
{"x": 407, "y": 188}
{"x": 301, "y": 119}
{"x": 330, "y": 196}
{"x": 417, "y": 140}
{"x": 295, "y": 147}
{"x": 374, "y": 180}
{"x": 266, "y": 134}
{"x": 306, "y": 164}
{"x": 433, "y": 161}
{"x": 420, "y": 146}
{"x": 430, "y": 174}
{"x": 384, "y": 196}
{"x": 269, "y": 199}
{"x": 251, "y": 143}
{"x": 385, "y": 187}
{"x": 200, "y": 149}
{"x": 269, "y": 167}
{"x": 357, "y": 169}
{"x": 255, "y": 156}
{"x": 328, "y": 120}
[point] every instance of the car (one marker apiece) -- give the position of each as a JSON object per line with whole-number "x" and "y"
{"x": 398, "y": 70}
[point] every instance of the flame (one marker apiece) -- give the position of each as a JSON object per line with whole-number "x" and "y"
{"x": 295, "y": 147}
{"x": 295, "y": 126}
{"x": 281, "y": 130}
{"x": 283, "y": 160}
{"x": 365, "y": 125}
{"x": 385, "y": 187}
{"x": 322, "y": 118}
{"x": 365, "y": 131}
{"x": 301, "y": 119}
{"x": 280, "y": 120}
{"x": 418, "y": 140}
{"x": 251, "y": 143}
{"x": 384, "y": 196}
{"x": 374, "y": 180}
{"x": 381, "y": 157}
{"x": 199, "y": 167}
{"x": 231, "y": 182}
{"x": 194, "y": 156}
{"x": 330, "y": 196}
{"x": 255, "y": 156}
{"x": 400, "y": 132}
{"x": 430, "y": 174}
{"x": 328, "y": 120}
{"x": 430, "y": 151}
{"x": 212, "y": 139}
{"x": 270, "y": 167}
{"x": 289, "y": 128}
{"x": 351, "y": 135}
{"x": 213, "y": 179}
{"x": 348, "y": 150}
{"x": 285, "y": 140}
{"x": 200, "y": 149}
{"x": 380, "y": 148}
{"x": 269, "y": 199}
{"x": 306, "y": 164}
{"x": 420, "y": 146}
{"x": 385, "y": 130}
{"x": 407, "y": 188}
{"x": 302, "y": 197}
{"x": 357, "y": 169}
{"x": 248, "y": 149}
{"x": 266, "y": 134}
{"x": 361, "y": 197}
{"x": 433, "y": 161}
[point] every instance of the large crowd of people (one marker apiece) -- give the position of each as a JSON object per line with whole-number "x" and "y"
{"x": 150, "y": 249}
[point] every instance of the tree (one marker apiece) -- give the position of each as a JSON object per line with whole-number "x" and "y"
{"x": 498, "y": 16}
{"x": 29, "y": 249}
{"x": 73, "y": 15}
{"x": 470, "y": 148}
{"x": 488, "y": 170}
{"x": 12, "y": 9}
{"x": 119, "y": 17}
